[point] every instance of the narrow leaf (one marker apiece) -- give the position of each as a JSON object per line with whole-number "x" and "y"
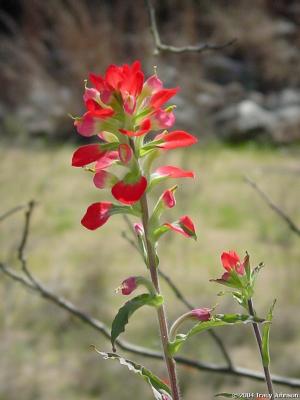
{"x": 122, "y": 317}
{"x": 217, "y": 320}
{"x": 159, "y": 388}
{"x": 266, "y": 336}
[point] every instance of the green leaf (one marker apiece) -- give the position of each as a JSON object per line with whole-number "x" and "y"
{"x": 266, "y": 336}
{"x": 122, "y": 317}
{"x": 217, "y": 320}
{"x": 160, "y": 389}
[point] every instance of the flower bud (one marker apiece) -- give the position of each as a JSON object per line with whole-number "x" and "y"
{"x": 129, "y": 285}
{"x": 139, "y": 230}
{"x": 201, "y": 314}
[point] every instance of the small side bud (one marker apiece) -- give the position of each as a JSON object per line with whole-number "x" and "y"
{"x": 201, "y": 314}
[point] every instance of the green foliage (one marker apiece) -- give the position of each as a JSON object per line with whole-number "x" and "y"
{"x": 124, "y": 313}
{"x": 160, "y": 389}
{"x": 266, "y": 336}
{"x": 216, "y": 321}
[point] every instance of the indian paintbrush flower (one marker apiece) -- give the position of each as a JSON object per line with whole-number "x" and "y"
{"x": 121, "y": 109}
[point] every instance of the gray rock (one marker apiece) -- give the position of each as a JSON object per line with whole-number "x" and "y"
{"x": 244, "y": 121}
{"x": 287, "y": 126}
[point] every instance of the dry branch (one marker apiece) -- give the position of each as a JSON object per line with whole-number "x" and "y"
{"x": 26, "y": 279}
{"x": 159, "y": 46}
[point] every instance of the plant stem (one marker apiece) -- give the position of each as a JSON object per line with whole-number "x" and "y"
{"x": 259, "y": 342}
{"x": 162, "y": 319}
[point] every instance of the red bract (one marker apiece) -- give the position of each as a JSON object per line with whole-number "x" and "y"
{"x": 87, "y": 154}
{"x": 161, "y": 97}
{"x": 95, "y": 110}
{"x": 125, "y": 153}
{"x": 184, "y": 226}
{"x": 96, "y": 215}
{"x": 168, "y": 198}
{"x": 231, "y": 261}
{"x": 162, "y": 119}
{"x": 129, "y": 193}
{"x": 104, "y": 179}
{"x": 176, "y": 139}
{"x": 169, "y": 171}
{"x": 106, "y": 160}
{"x": 144, "y": 128}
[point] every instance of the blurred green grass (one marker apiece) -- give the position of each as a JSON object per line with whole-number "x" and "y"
{"x": 45, "y": 351}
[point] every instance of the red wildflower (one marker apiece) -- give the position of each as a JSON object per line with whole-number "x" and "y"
{"x": 169, "y": 171}
{"x": 144, "y": 128}
{"x": 168, "y": 198}
{"x": 96, "y": 215}
{"x": 162, "y": 119}
{"x": 131, "y": 192}
{"x": 184, "y": 226}
{"x": 161, "y": 97}
{"x": 175, "y": 139}
{"x": 106, "y": 160}
{"x": 231, "y": 261}
{"x": 87, "y": 154}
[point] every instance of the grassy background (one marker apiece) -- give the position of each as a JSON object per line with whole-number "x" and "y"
{"x": 45, "y": 352}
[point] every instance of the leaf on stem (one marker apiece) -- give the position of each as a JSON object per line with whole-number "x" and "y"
{"x": 266, "y": 336}
{"x": 217, "y": 320}
{"x": 122, "y": 317}
{"x": 160, "y": 390}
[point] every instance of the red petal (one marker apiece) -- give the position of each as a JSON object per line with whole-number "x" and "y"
{"x": 187, "y": 225}
{"x": 97, "y": 81}
{"x": 184, "y": 226}
{"x": 97, "y": 111}
{"x": 129, "y": 193}
{"x": 229, "y": 260}
{"x": 176, "y": 139}
{"x": 96, "y": 215}
{"x": 174, "y": 172}
{"x": 107, "y": 159}
{"x": 144, "y": 128}
{"x": 104, "y": 179}
{"x": 86, "y": 155}
{"x": 162, "y": 96}
{"x": 169, "y": 198}
{"x": 177, "y": 228}
{"x": 125, "y": 153}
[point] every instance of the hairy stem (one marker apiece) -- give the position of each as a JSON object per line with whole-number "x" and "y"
{"x": 164, "y": 332}
{"x": 259, "y": 342}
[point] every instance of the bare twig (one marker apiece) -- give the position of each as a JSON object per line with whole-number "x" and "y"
{"x": 12, "y": 211}
{"x": 293, "y": 227}
{"x": 99, "y": 326}
{"x": 162, "y": 47}
{"x": 29, "y": 281}
{"x": 180, "y": 296}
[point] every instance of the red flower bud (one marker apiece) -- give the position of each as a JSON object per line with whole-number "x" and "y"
{"x": 129, "y": 285}
{"x": 201, "y": 314}
{"x": 96, "y": 215}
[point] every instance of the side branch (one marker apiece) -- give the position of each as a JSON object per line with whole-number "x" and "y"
{"x": 162, "y": 47}
{"x": 99, "y": 326}
{"x": 290, "y": 223}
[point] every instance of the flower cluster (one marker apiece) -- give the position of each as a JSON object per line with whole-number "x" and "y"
{"x": 128, "y": 116}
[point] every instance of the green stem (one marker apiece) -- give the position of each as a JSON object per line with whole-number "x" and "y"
{"x": 259, "y": 342}
{"x": 164, "y": 332}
